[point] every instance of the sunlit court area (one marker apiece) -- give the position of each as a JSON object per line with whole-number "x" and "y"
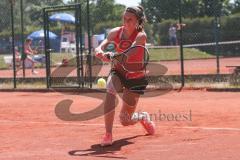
{"x": 110, "y": 79}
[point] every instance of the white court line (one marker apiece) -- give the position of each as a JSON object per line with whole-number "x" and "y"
{"x": 210, "y": 128}
{"x": 116, "y": 125}
{"x": 54, "y": 123}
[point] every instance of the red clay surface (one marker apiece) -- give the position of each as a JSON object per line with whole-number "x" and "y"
{"x": 207, "y": 66}
{"x": 30, "y": 129}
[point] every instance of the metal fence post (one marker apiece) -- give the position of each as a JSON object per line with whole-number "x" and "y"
{"x": 89, "y": 59}
{"x": 13, "y": 44}
{"x": 22, "y": 37}
{"x": 217, "y": 14}
{"x": 181, "y": 44}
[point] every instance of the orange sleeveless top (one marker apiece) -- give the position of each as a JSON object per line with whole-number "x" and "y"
{"x": 122, "y": 45}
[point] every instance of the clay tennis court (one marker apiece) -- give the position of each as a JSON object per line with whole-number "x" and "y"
{"x": 210, "y": 129}
{"x": 201, "y": 66}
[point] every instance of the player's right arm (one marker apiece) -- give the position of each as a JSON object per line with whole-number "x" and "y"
{"x": 99, "y": 51}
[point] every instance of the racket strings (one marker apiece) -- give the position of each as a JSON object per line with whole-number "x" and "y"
{"x": 135, "y": 59}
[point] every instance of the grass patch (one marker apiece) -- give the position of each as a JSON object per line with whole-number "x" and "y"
{"x": 56, "y": 59}
{"x": 155, "y": 55}
{"x": 174, "y": 54}
{"x": 24, "y": 85}
{"x": 3, "y": 65}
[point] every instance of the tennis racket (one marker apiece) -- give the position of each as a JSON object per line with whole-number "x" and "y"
{"x": 132, "y": 62}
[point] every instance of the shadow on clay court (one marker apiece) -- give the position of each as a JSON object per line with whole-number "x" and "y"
{"x": 97, "y": 151}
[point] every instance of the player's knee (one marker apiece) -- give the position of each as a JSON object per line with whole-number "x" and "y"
{"x": 111, "y": 92}
{"x": 125, "y": 119}
{"x": 125, "y": 123}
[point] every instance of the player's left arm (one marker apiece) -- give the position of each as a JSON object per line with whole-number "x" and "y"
{"x": 141, "y": 39}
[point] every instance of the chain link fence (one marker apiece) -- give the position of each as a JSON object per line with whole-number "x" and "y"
{"x": 28, "y": 23}
{"x": 6, "y": 43}
{"x": 205, "y": 34}
{"x": 27, "y": 17}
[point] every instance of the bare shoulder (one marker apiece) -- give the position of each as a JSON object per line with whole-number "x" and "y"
{"x": 141, "y": 38}
{"x": 141, "y": 35}
{"x": 113, "y": 33}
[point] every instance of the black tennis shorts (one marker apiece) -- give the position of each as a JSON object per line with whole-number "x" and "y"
{"x": 134, "y": 85}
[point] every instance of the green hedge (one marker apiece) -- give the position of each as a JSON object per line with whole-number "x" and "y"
{"x": 200, "y": 30}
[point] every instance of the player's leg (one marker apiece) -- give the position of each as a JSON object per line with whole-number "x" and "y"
{"x": 18, "y": 64}
{"x": 129, "y": 104}
{"x": 128, "y": 116}
{"x": 29, "y": 58}
{"x": 113, "y": 86}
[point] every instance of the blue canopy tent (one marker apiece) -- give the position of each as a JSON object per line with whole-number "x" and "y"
{"x": 62, "y": 17}
{"x": 40, "y": 35}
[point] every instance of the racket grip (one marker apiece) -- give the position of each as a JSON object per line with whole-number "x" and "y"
{"x": 108, "y": 56}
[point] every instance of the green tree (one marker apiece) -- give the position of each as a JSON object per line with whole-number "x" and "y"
{"x": 5, "y": 20}
{"x": 158, "y": 10}
{"x": 33, "y": 9}
{"x": 105, "y": 14}
{"x": 236, "y": 6}
{"x": 216, "y": 7}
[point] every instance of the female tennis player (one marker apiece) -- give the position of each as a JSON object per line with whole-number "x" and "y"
{"x": 128, "y": 35}
{"x": 28, "y": 53}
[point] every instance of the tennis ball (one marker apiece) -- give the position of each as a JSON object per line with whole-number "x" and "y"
{"x": 101, "y": 83}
